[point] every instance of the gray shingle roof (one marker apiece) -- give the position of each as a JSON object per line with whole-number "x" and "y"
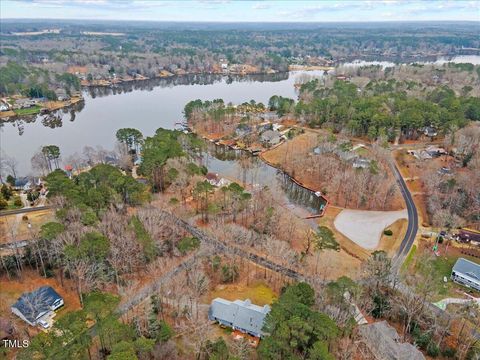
{"x": 467, "y": 267}
{"x": 384, "y": 342}
{"x": 242, "y": 315}
{"x": 36, "y": 303}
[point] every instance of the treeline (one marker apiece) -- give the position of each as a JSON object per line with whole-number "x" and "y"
{"x": 217, "y": 108}
{"x": 383, "y": 108}
{"x": 34, "y": 82}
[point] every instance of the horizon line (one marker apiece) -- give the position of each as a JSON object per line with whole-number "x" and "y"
{"x": 247, "y": 22}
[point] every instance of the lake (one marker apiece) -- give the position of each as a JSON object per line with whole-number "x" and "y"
{"x": 145, "y": 105}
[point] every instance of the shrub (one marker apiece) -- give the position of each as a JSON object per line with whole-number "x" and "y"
{"x": 388, "y": 232}
{"x": 25, "y": 218}
{"x": 449, "y": 352}
{"x": 3, "y": 204}
{"x": 88, "y": 217}
{"x": 433, "y": 350}
{"x": 173, "y": 201}
{"x": 187, "y": 244}
{"x": 17, "y": 201}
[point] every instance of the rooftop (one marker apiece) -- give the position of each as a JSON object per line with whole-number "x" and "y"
{"x": 467, "y": 267}
{"x": 383, "y": 341}
{"x": 242, "y": 315}
{"x": 35, "y": 304}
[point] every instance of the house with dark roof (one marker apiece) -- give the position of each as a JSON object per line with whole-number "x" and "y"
{"x": 467, "y": 273}
{"x": 32, "y": 307}
{"x": 239, "y": 315}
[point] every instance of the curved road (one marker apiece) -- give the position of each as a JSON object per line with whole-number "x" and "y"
{"x": 412, "y": 227}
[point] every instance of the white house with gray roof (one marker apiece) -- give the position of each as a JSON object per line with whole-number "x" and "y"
{"x": 239, "y": 315}
{"x": 466, "y": 272}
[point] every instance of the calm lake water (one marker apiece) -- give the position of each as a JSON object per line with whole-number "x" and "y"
{"x": 145, "y": 105}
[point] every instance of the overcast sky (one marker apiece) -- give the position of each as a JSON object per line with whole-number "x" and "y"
{"x": 223, "y": 10}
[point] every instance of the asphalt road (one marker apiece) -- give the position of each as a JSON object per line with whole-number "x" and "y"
{"x": 412, "y": 227}
{"x": 24, "y": 210}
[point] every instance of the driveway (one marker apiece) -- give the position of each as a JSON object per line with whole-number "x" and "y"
{"x": 365, "y": 227}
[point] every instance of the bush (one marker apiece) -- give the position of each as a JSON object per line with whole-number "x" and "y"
{"x": 25, "y": 218}
{"x": 433, "y": 350}
{"x": 173, "y": 201}
{"x": 88, "y": 217}
{"x": 388, "y": 232}
{"x": 3, "y": 204}
{"x": 187, "y": 244}
{"x": 17, "y": 201}
{"x": 449, "y": 352}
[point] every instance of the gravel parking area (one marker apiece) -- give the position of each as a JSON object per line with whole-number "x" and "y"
{"x": 365, "y": 227}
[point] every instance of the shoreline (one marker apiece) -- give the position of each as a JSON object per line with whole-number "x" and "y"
{"x": 38, "y": 109}
{"x": 113, "y": 82}
{"x": 218, "y": 142}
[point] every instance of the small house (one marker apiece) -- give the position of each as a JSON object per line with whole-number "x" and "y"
{"x": 216, "y": 180}
{"x": 4, "y": 106}
{"x": 24, "y": 103}
{"x": 361, "y": 163}
{"x": 467, "y": 273}
{"x": 243, "y": 130}
{"x": 22, "y": 183}
{"x": 467, "y": 235}
{"x": 270, "y": 137}
{"x": 239, "y": 315}
{"x": 62, "y": 94}
{"x": 383, "y": 342}
{"x": 430, "y": 131}
{"x": 34, "y": 306}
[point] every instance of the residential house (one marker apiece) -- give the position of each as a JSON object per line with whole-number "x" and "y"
{"x": 430, "y": 131}
{"x": 24, "y": 103}
{"x": 467, "y": 235}
{"x": 242, "y": 130}
{"x": 420, "y": 154}
{"x": 239, "y": 315}
{"x": 361, "y": 163}
{"x": 270, "y": 137}
{"x": 216, "y": 180}
{"x": 383, "y": 342}
{"x": 22, "y": 183}
{"x": 62, "y": 94}
{"x": 466, "y": 272}
{"x": 269, "y": 116}
{"x": 435, "y": 151}
{"x": 4, "y": 106}
{"x": 37, "y": 305}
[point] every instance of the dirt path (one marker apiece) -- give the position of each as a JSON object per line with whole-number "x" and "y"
{"x": 365, "y": 227}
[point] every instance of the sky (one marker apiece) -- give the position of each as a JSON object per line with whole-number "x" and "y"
{"x": 251, "y": 11}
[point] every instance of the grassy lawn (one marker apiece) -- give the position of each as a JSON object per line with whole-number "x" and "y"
{"x": 259, "y": 293}
{"x": 28, "y": 111}
{"x": 441, "y": 266}
{"x": 409, "y": 258}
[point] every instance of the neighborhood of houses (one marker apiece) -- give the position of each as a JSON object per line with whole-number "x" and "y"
{"x": 16, "y": 105}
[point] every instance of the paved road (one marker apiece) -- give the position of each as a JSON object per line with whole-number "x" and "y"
{"x": 24, "y": 210}
{"x": 412, "y": 227}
